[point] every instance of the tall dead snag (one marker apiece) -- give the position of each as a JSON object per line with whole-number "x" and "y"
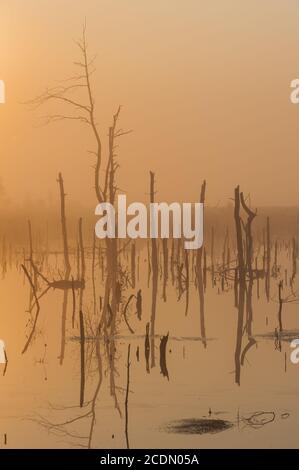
{"x": 178, "y": 256}
{"x": 236, "y": 287}
{"x": 249, "y": 271}
{"x": 280, "y": 300}
{"x": 82, "y": 253}
{"x": 180, "y": 280}
{"x": 165, "y": 267}
{"x": 249, "y": 259}
{"x": 74, "y": 303}
{"x": 264, "y": 251}
{"x": 63, "y": 324}
{"x": 127, "y": 399}
{"x": 200, "y": 280}
{"x": 224, "y": 255}
{"x": 241, "y": 285}
{"x": 268, "y": 260}
{"x": 82, "y": 358}
{"x": 212, "y": 257}
{"x": 187, "y": 279}
{"x": 155, "y": 270}
{"x": 257, "y": 279}
{"x": 109, "y": 192}
{"x": 139, "y": 304}
{"x": 66, "y": 264}
{"x": 83, "y": 265}
{"x": 149, "y": 268}
{"x": 133, "y": 265}
{"x": 93, "y": 274}
{"x": 172, "y": 263}
{"x": 64, "y": 227}
{"x": 294, "y": 261}
{"x": 204, "y": 269}
{"x": 147, "y": 347}
{"x": 275, "y": 265}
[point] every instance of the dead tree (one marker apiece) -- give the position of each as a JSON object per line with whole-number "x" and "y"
{"x": 241, "y": 286}
{"x": 64, "y": 227}
{"x": 82, "y": 358}
{"x": 280, "y": 300}
{"x": 83, "y": 264}
{"x": 187, "y": 271}
{"x": 268, "y": 259}
{"x": 172, "y": 263}
{"x": 250, "y": 274}
{"x": 294, "y": 261}
{"x": 249, "y": 258}
{"x": 212, "y": 257}
{"x": 133, "y": 265}
{"x": 244, "y": 273}
{"x": 127, "y": 399}
{"x": 63, "y": 325}
{"x": 139, "y": 304}
{"x": 155, "y": 270}
{"x": 147, "y": 347}
{"x": 93, "y": 274}
{"x": 165, "y": 267}
{"x": 200, "y": 279}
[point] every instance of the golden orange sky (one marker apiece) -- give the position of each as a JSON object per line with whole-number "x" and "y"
{"x": 204, "y": 85}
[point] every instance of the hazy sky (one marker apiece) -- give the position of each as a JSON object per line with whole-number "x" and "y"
{"x": 204, "y": 85}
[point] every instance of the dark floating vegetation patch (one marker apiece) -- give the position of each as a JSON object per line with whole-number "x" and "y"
{"x": 198, "y": 426}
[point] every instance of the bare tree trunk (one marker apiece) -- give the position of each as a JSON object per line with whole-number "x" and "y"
{"x": 242, "y": 286}
{"x": 127, "y": 399}
{"x": 257, "y": 279}
{"x": 133, "y": 265}
{"x": 149, "y": 268}
{"x": 204, "y": 269}
{"x": 199, "y": 276}
{"x": 83, "y": 265}
{"x": 275, "y": 267}
{"x": 64, "y": 227}
{"x": 249, "y": 259}
{"x": 139, "y": 304}
{"x": 63, "y": 325}
{"x": 93, "y": 274}
{"x": 155, "y": 270}
{"x": 268, "y": 258}
{"x": 294, "y": 261}
{"x": 165, "y": 267}
{"x": 187, "y": 281}
{"x": 212, "y": 256}
{"x": 280, "y": 285}
{"x": 82, "y": 358}
{"x": 172, "y": 263}
{"x": 147, "y": 347}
